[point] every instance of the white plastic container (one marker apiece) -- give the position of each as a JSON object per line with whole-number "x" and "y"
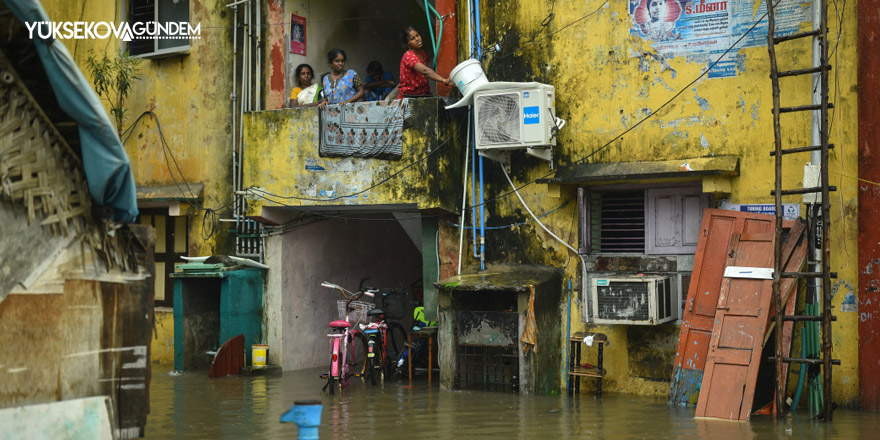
{"x": 468, "y": 75}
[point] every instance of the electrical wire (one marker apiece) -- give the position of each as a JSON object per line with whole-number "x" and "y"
{"x": 511, "y": 225}
{"x": 544, "y": 23}
{"x": 643, "y": 120}
{"x": 357, "y": 193}
{"x": 209, "y": 219}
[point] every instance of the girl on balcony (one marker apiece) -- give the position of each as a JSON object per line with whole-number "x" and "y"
{"x": 306, "y": 94}
{"x": 414, "y": 72}
{"x": 341, "y": 86}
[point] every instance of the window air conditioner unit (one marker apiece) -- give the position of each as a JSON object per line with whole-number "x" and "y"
{"x": 515, "y": 115}
{"x": 636, "y": 300}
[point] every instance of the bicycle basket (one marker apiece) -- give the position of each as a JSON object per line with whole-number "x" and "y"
{"x": 358, "y": 309}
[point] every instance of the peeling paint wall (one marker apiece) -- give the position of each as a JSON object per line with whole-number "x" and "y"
{"x": 609, "y": 80}
{"x": 189, "y": 97}
{"x": 281, "y": 158}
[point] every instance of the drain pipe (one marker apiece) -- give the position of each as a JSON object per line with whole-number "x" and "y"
{"x": 472, "y": 139}
{"x": 232, "y": 98}
{"x": 259, "y": 46}
{"x": 478, "y": 43}
{"x": 566, "y": 363}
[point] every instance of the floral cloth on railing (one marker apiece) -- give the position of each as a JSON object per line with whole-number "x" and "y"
{"x": 364, "y": 129}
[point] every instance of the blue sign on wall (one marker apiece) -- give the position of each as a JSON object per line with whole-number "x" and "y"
{"x": 531, "y": 115}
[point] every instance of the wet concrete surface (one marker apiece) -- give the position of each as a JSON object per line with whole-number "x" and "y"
{"x": 191, "y": 406}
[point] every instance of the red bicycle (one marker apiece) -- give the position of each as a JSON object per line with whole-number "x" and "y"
{"x": 348, "y": 345}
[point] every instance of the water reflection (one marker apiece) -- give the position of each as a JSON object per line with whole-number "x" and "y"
{"x": 192, "y": 406}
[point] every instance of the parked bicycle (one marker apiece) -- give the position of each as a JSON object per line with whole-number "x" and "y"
{"x": 394, "y": 303}
{"x": 347, "y": 344}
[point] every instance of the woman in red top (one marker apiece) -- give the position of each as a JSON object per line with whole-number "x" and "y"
{"x": 414, "y": 72}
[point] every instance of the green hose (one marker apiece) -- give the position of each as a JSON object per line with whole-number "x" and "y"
{"x": 802, "y": 372}
{"x": 435, "y": 44}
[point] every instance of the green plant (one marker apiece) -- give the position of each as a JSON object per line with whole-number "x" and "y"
{"x": 113, "y": 79}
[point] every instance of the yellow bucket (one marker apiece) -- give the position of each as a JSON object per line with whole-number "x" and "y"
{"x": 259, "y": 355}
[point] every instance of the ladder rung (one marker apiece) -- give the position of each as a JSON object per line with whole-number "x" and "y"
{"x": 797, "y": 72}
{"x": 813, "y": 33}
{"x": 814, "y": 189}
{"x": 802, "y": 149}
{"x": 803, "y": 318}
{"x": 805, "y": 360}
{"x": 804, "y": 108}
{"x": 833, "y": 275}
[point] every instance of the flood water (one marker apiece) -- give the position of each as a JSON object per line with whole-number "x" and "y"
{"x": 191, "y": 406}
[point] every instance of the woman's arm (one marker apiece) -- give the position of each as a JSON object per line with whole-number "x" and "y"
{"x": 430, "y": 73}
{"x": 357, "y": 96}
{"x": 375, "y": 84}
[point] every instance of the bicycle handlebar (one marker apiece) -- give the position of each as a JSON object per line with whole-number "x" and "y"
{"x": 346, "y": 293}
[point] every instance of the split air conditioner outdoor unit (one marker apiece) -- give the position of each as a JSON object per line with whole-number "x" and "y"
{"x": 636, "y": 300}
{"x": 512, "y": 116}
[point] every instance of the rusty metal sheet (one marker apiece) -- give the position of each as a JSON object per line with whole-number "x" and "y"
{"x": 869, "y": 204}
{"x": 716, "y": 230}
{"x": 229, "y": 359}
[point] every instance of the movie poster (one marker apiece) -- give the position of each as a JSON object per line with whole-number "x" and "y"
{"x": 702, "y": 30}
{"x": 297, "y": 34}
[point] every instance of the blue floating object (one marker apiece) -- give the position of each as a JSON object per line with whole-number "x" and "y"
{"x": 307, "y": 416}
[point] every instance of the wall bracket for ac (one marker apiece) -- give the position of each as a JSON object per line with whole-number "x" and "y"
{"x": 503, "y": 156}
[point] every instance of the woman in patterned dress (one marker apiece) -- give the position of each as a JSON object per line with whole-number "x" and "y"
{"x": 341, "y": 86}
{"x": 414, "y": 72}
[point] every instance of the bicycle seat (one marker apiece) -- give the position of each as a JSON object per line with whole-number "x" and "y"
{"x": 374, "y": 312}
{"x": 340, "y": 323}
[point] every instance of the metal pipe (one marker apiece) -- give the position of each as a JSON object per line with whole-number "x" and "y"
{"x": 242, "y": 105}
{"x": 464, "y": 196}
{"x": 259, "y": 90}
{"x": 482, "y": 221}
{"x": 478, "y": 42}
{"x": 473, "y": 187}
{"x": 232, "y": 98}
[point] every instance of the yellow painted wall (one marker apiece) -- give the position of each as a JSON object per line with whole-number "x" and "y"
{"x": 594, "y": 63}
{"x": 189, "y": 96}
{"x": 162, "y": 345}
{"x": 281, "y": 159}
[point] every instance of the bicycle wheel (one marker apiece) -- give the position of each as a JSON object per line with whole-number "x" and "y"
{"x": 355, "y": 362}
{"x": 395, "y": 338}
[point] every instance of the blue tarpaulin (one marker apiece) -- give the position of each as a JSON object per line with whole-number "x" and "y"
{"x": 107, "y": 168}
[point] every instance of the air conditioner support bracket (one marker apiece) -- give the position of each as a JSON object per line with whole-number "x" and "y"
{"x": 502, "y": 157}
{"x": 545, "y": 153}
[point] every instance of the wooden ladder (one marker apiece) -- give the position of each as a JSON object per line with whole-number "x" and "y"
{"x": 818, "y": 241}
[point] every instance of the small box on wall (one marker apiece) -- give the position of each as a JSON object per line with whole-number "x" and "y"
{"x": 297, "y": 34}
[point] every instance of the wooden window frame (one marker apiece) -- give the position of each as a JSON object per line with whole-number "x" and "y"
{"x": 169, "y": 257}
{"x": 651, "y": 192}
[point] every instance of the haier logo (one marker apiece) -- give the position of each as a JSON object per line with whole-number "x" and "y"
{"x": 531, "y": 115}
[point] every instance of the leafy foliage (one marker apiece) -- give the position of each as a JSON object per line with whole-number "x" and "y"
{"x": 113, "y": 79}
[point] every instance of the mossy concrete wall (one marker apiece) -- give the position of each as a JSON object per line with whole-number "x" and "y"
{"x": 608, "y": 81}
{"x": 162, "y": 343}
{"x": 281, "y": 160}
{"x": 188, "y": 95}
